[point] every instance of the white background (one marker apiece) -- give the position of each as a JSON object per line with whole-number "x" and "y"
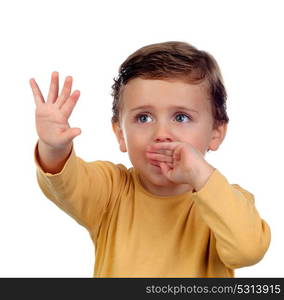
{"x": 89, "y": 40}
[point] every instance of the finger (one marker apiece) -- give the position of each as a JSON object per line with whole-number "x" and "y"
{"x": 69, "y": 105}
{"x": 165, "y": 169}
{"x": 38, "y": 98}
{"x": 151, "y": 149}
{"x": 162, "y": 146}
{"x": 165, "y": 152}
{"x": 70, "y": 134}
{"x": 66, "y": 91}
{"x": 53, "y": 89}
{"x": 171, "y": 165}
{"x": 159, "y": 157}
{"x": 177, "y": 155}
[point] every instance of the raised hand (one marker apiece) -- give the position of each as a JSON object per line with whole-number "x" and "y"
{"x": 52, "y": 115}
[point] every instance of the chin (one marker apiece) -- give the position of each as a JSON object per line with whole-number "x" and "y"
{"x": 157, "y": 178}
{"x": 162, "y": 182}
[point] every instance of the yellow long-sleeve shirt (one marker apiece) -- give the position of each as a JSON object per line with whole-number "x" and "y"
{"x": 208, "y": 233}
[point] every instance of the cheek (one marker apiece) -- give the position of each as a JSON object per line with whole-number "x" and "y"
{"x": 202, "y": 147}
{"x": 136, "y": 141}
{"x": 199, "y": 140}
{"x": 197, "y": 143}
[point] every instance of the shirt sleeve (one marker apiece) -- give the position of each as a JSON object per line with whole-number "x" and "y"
{"x": 242, "y": 237}
{"x": 84, "y": 190}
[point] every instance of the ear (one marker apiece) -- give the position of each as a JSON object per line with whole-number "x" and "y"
{"x": 119, "y": 136}
{"x": 218, "y": 135}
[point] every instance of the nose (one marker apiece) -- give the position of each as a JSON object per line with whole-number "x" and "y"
{"x": 160, "y": 139}
{"x": 162, "y": 134}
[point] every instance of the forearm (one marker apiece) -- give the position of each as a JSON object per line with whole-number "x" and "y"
{"x": 63, "y": 187}
{"x": 52, "y": 160}
{"x": 242, "y": 237}
{"x": 81, "y": 189}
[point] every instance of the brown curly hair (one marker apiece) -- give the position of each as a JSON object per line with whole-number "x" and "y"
{"x": 173, "y": 60}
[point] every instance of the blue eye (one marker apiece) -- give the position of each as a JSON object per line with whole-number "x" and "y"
{"x": 142, "y": 118}
{"x": 146, "y": 118}
{"x": 181, "y": 117}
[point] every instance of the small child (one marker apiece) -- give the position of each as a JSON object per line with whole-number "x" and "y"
{"x": 172, "y": 214}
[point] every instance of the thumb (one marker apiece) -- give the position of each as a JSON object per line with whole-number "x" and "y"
{"x": 71, "y": 133}
{"x": 165, "y": 169}
{"x": 76, "y": 131}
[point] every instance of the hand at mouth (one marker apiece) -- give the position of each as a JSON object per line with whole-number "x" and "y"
{"x": 154, "y": 162}
{"x": 155, "y": 158}
{"x": 157, "y": 163}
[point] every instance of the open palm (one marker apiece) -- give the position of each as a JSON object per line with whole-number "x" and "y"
{"x": 52, "y": 115}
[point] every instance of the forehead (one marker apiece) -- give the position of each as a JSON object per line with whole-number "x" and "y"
{"x": 164, "y": 94}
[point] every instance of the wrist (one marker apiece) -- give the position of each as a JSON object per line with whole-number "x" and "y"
{"x": 202, "y": 176}
{"x": 52, "y": 159}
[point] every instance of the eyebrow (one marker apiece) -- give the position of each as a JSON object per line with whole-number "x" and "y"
{"x": 175, "y": 107}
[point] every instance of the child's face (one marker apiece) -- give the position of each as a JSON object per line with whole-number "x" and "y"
{"x": 163, "y": 111}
